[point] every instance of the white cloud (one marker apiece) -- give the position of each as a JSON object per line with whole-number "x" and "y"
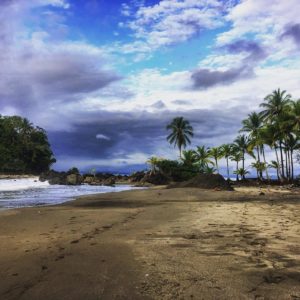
{"x": 101, "y": 136}
{"x": 172, "y": 21}
{"x": 265, "y": 19}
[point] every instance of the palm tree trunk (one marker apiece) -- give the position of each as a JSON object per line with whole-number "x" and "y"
{"x": 237, "y": 167}
{"x": 216, "y": 160}
{"x": 277, "y": 159}
{"x": 289, "y": 163}
{"x": 227, "y": 169}
{"x": 292, "y": 164}
{"x": 286, "y": 165}
{"x": 258, "y": 157}
{"x": 264, "y": 156}
{"x": 281, "y": 156}
{"x": 180, "y": 152}
{"x": 244, "y": 164}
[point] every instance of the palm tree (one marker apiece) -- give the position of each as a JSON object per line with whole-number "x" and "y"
{"x": 275, "y": 106}
{"x": 275, "y": 165}
{"x": 216, "y": 153}
{"x": 153, "y": 162}
{"x": 296, "y": 115}
{"x": 270, "y": 135}
{"x": 203, "y": 157}
{"x": 253, "y": 124}
{"x": 260, "y": 167}
{"x": 227, "y": 151}
{"x": 189, "y": 158}
{"x": 181, "y": 132}
{"x": 276, "y": 103}
{"x": 236, "y": 156}
{"x": 241, "y": 172}
{"x": 242, "y": 142}
{"x": 291, "y": 145}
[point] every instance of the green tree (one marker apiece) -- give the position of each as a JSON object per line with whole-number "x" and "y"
{"x": 242, "y": 142}
{"x": 236, "y": 156}
{"x": 181, "y": 133}
{"x": 227, "y": 152}
{"x": 241, "y": 172}
{"x": 275, "y": 165}
{"x": 24, "y": 148}
{"x": 253, "y": 124}
{"x": 153, "y": 161}
{"x": 203, "y": 157}
{"x": 189, "y": 158}
{"x": 216, "y": 153}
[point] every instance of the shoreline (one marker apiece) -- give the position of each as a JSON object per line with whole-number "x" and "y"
{"x": 154, "y": 243}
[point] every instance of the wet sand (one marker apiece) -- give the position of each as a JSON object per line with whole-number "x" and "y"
{"x": 154, "y": 244}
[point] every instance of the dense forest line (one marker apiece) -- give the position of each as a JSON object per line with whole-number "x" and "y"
{"x": 24, "y": 148}
{"x": 276, "y": 128}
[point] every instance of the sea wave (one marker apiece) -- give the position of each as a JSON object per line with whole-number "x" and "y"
{"x": 29, "y": 192}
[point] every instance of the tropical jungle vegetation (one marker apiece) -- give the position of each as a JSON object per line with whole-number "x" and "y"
{"x": 276, "y": 128}
{"x": 24, "y": 148}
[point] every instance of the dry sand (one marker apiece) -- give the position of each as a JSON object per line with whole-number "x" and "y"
{"x": 154, "y": 244}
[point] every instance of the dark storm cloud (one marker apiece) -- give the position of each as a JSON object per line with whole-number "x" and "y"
{"x": 133, "y": 132}
{"x": 50, "y": 78}
{"x": 158, "y": 105}
{"x": 38, "y": 74}
{"x": 206, "y": 78}
{"x": 292, "y": 31}
{"x": 182, "y": 102}
{"x": 256, "y": 51}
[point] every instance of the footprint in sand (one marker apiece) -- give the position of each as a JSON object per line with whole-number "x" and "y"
{"x": 59, "y": 257}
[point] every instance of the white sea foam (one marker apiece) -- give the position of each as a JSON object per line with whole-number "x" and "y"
{"x": 31, "y": 192}
{"x": 21, "y": 184}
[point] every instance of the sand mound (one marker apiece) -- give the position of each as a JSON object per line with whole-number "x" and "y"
{"x": 205, "y": 181}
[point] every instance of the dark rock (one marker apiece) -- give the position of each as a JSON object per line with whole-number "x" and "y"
{"x": 89, "y": 179}
{"x": 109, "y": 181}
{"x": 61, "y": 178}
{"x": 137, "y": 176}
{"x": 205, "y": 181}
{"x": 155, "y": 178}
{"x": 54, "y": 177}
{"x": 74, "y": 179}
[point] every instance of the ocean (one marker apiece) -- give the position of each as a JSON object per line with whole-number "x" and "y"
{"x": 28, "y": 192}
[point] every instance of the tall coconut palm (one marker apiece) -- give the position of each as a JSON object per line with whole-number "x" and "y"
{"x": 203, "y": 157}
{"x": 216, "y": 153}
{"x": 242, "y": 142}
{"x": 292, "y": 144}
{"x": 275, "y": 106}
{"x": 236, "y": 156}
{"x": 181, "y": 133}
{"x": 275, "y": 103}
{"x": 253, "y": 124}
{"x": 227, "y": 151}
{"x": 270, "y": 135}
{"x": 296, "y": 115}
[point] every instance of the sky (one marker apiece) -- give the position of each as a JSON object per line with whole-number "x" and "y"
{"x": 104, "y": 78}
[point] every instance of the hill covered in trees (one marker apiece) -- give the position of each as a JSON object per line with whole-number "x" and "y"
{"x": 24, "y": 148}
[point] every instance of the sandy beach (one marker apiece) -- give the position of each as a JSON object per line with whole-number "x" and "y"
{"x": 155, "y": 244}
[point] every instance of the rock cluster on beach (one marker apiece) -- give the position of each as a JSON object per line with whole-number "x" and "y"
{"x": 141, "y": 178}
{"x": 205, "y": 181}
